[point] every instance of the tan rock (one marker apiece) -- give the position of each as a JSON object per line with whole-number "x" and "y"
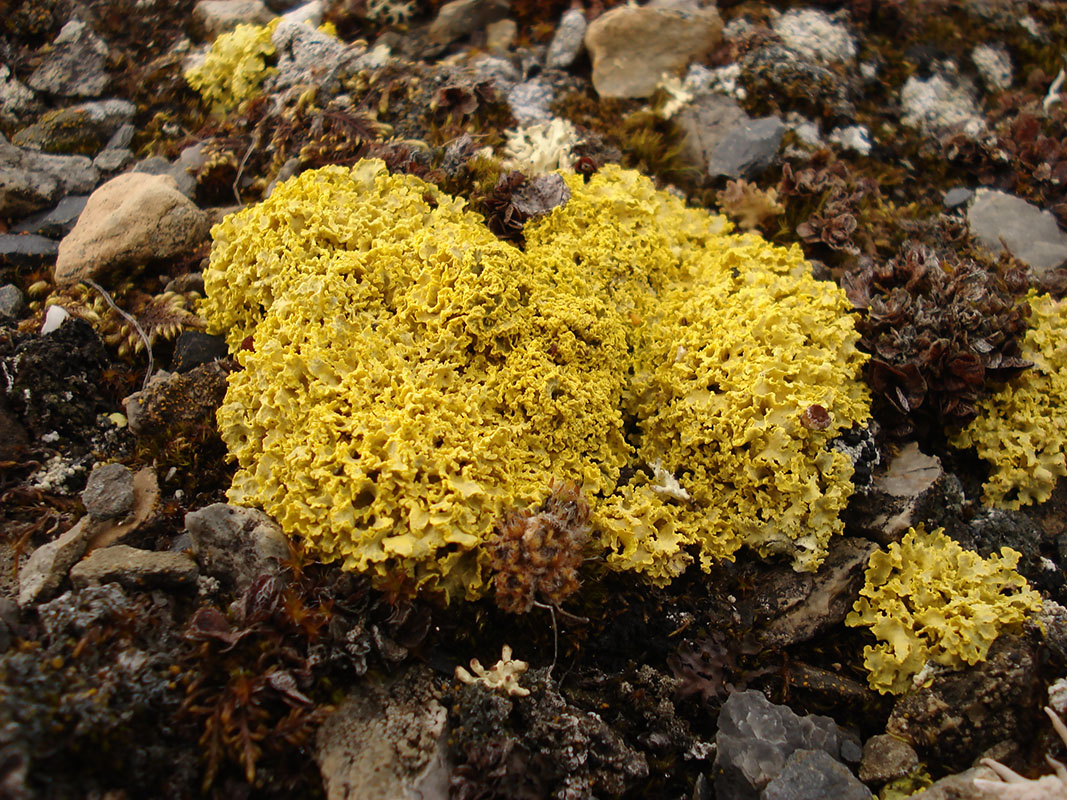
{"x": 632, "y": 47}
{"x": 131, "y": 219}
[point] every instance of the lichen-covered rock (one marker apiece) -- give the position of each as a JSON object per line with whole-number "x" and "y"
{"x": 929, "y": 601}
{"x": 1022, "y": 429}
{"x": 235, "y": 67}
{"x": 408, "y": 376}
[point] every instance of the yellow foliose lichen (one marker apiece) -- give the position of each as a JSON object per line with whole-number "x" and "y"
{"x": 411, "y": 377}
{"x": 928, "y": 600}
{"x": 1022, "y": 429}
{"x": 235, "y": 67}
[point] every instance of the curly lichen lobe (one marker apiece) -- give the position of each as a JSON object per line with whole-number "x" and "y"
{"x": 929, "y": 601}
{"x": 413, "y": 377}
{"x": 1022, "y": 429}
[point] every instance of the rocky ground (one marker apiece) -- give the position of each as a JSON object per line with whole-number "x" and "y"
{"x": 156, "y": 642}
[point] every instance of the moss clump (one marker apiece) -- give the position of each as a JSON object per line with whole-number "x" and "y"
{"x": 412, "y": 377}
{"x": 235, "y": 68}
{"x": 1022, "y": 429}
{"x": 927, "y": 599}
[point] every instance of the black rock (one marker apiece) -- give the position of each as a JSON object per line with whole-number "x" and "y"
{"x": 26, "y": 250}
{"x": 57, "y": 222}
{"x": 194, "y": 348}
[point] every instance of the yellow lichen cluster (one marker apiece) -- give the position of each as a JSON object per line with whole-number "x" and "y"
{"x": 927, "y": 600}
{"x": 412, "y": 377}
{"x": 1022, "y": 429}
{"x": 235, "y": 67}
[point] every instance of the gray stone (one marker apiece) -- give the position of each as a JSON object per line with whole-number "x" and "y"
{"x": 994, "y": 66}
{"x": 112, "y": 159}
{"x": 109, "y": 491}
{"x": 387, "y": 741}
{"x": 27, "y": 249}
{"x": 461, "y": 18}
{"x": 306, "y": 56}
{"x": 157, "y": 165}
{"x": 802, "y": 605}
{"x": 236, "y": 544}
{"x": 57, "y": 222}
{"x": 756, "y": 738}
{"x": 17, "y": 101}
{"x": 122, "y": 137}
{"x": 76, "y": 64}
{"x": 814, "y": 775}
{"x": 134, "y": 568}
{"x": 567, "y": 41}
{"x": 46, "y": 568}
{"x": 956, "y": 197}
{"x": 1031, "y": 234}
{"x": 960, "y": 786}
{"x": 214, "y": 17}
{"x": 132, "y": 219}
{"x": 723, "y": 140}
{"x": 886, "y": 758}
{"x": 30, "y": 181}
{"x": 145, "y": 499}
{"x": 631, "y": 47}
{"x": 11, "y": 301}
{"x": 84, "y": 128}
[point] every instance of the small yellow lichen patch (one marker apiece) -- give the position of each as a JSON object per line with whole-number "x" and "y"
{"x": 235, "y": 67}
{"x": 929, "y": 600}
{"x": 1022, "y": 430}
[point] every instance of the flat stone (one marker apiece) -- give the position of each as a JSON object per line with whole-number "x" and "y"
{"x": 633, "y": 46}
{"x": 134, "y": 568}
{"x": 112, "y": 159}
{"x": 387, "y": 741}
{"x": 1031, "y": 234}
{"x": 956, "y": 197}
{"x": 215, "y": 17}
{"x": 145, "y": 501}
{"x": 109, "y": 491}
{"x": 886, "y": 758}
{"x": 500, "y": 35}
{"x": 132, "y": 219}
{"x": 122, "y": 137}
{"x": 27, "y": 249}
{"x": 756, "y": 738}
{"x": 814, "y": 775}
{"x": 236, "y": 544}
{"x": 307, "y": 13}
{"x": 46, "y": 568}
{"x": 723, "y": 140}
{"x": 75, "y": 66}
{"x": 461, "y": 18}
{"x": 568, "y": 40}
{"x": 11, "y": 301}
{"x": 82, "y": 129}
{"x": 958, "y": 787}
{"x": 56, "y": 222}
{"x": 30, "y": 180}
{"x": 157, "y": 165}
